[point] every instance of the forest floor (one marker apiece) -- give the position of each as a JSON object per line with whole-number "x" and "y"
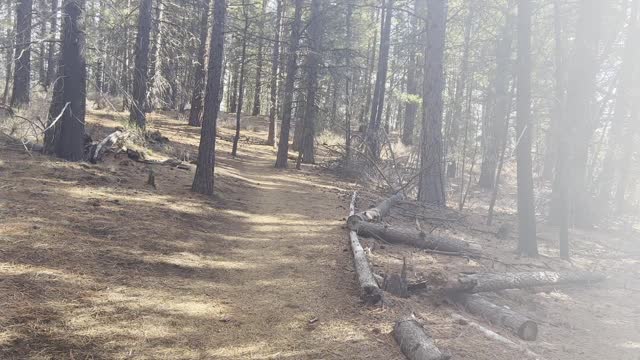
{"x": 95, "y": 264}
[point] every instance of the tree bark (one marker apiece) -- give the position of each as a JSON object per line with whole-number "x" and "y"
{"x": 415, "y": 343}
{"x": 53, "y": 30}
{"x": 273, "y": 87}
{"x": 411, "y": 107}
{"x": 203, "y": 181}
{"x": 66, "y": 137}
{"x": 518, "y": 324}
{"x": 8, "y": 54}
{"x": 348, "y": 83}
{"x": 292, "y": 68}
{"x": 413, "y": 237}
{"x": 258, "y": 90}
{"x": 494, "y": 133}
{"x": 579, "y": 123}
{"x": 313, "y": 63}
{"x": 490, "y": 282}
{"x": 431, "y": 182}
{"x": 243, "y": 62}
{"x": 527, "y": 241}
{"x": 377, "y": 104}
{"x": 195, "y": 114}
{"x": 136, "y": 113}
{"x": 22, "y": 66}
{"x": 42, "y": 74}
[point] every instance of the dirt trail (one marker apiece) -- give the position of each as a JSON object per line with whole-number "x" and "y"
{"x": 94, "y": 264}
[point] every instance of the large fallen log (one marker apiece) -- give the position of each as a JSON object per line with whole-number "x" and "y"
{"x": 520, "y": 325}
{"x": 415, "y": 343}
{"x": 488, "y": 282}
{"x": 497, "y": 337}
{"x": 414, "y": 237}
{"x": 374, "y": 214}
{"x": 370, "y": 291}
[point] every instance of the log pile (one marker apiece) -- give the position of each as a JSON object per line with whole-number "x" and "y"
{"x": 463, "y": 291}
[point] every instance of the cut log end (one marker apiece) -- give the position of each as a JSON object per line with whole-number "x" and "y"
{"x": 353, "y": 221}
{"x": 528, "y": 331}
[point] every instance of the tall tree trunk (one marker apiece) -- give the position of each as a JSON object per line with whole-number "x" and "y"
{"x": 624, "y": 103}
{"x": 232, "y": 107}
{"x": 8, "y": 54}
{"x": 494, "y": 134}
{"x": 292, "y": 67}
{"x": 527, "y": 241}
{"x": 453, "y": 120}
{"x": 195, "y": 114}
{"x": 22, "y": 66}
{"x": 580, "y": 122}
{"x": 137, "y": 115}
{"x": 243, "y": 62}
{"x": 53, "y": 30}
{"x": 431, "y": 182}
{"x": 377, "y": 104}
{"x": 66, "y": 137}
{"x": 273, "y": 87}
{"x": 313, "y": 63}
{"x": 203, "y": 180}
{"x": 411, "y": 106}
{"x": 370, "y": 66}
{"x": 258, "y": 90}
{"x": 155, "y": 59}
{"x": 42, "y": 10}
{"x": 348, "y": 84}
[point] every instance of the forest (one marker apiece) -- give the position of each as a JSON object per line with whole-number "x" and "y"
{"x": 419, "y": 179}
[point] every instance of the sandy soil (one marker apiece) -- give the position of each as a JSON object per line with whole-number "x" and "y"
{"x": 95, "y": 264}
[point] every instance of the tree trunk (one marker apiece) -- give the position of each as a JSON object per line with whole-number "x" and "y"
{"x": 66, "y": 137}
{"x": 518, "y": 324}
{"x": 42, "y": 74}
{"x": 453, "y": 121}
{"x": 377, "y": 104}
{"x": 494, "y": 133}
{"x": 8, "y": 54}
{"x": 53, "y": 30}
{"x": 243, "y": 62}
{"x": 415, "y": 343}
{"x": 258, "y": 91}
{"x": 203, "y": 180}
{"x": 136, "y": 113}
{"x": 22, "y": 65}
{"x": 348, "y": 84}
{"x": 527, "y": 244}
{"x": 579, "y": 124}
{"x": 614, "y": 163}
{"x": 491, "y": 282}
{"x": 195, "y": 114}
{"x": 431, "y": 182}
{"x": 413, "y": 237}
{"x": 313, "y": 63}
{"x": 292, "y": 67}
{"x": 411, "y": 106}
{"x": 273, "y": 87}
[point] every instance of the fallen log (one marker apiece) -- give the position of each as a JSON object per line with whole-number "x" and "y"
{"x": 370, "y": 291}
{"x": 497, "y": 337}
{"x": 111, "y": 140}
{"x": 415, "y": 343}
{"x": 374, "y": 214}
{"x": 414, "y": 237}
{"x": 520, "y": 325}
{"x": 489, "y": 282}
